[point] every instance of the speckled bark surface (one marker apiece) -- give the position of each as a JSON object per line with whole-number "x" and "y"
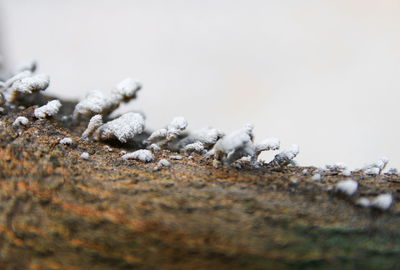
{"x": 58, "y": 211}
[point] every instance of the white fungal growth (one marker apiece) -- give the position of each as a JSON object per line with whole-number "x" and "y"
{"x": 141, "y": 155}
{"x": 286, "y": 157}
{"x": 336, "y": 167}
{"x": 162, "y": 137}
{"x": 382, "y": 202}
{"x": 66, "y": 141}
{"x": 98, "y": 103}
{"x": 194, "y": 147}
{"x": 50, "y": 109}
{"x": 376, "y": 167}
{"x": 207, "y": 137}
{"x": 363, "y": 202}
{"x": 124, "y": 128}
{"x": 24, "y": 84}
{"x": 94, "y": 123}
{"x": 316, "y": 177}
{"x": 346, "y": 173}
{"x": 347, "y": 187}
{"x": 127, "y": 89}
{"x": 392, "y": 171}
{"x": 267, "y": 145}
{"x": 20, "y": 121}
{"x": 164, "y": 163}
{"x": 234, "y": 146}
{"x": 372, "y": 171}
{"x": 85, "y": 155}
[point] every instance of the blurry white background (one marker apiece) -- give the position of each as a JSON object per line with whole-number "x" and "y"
{"x": 321, "y": 74}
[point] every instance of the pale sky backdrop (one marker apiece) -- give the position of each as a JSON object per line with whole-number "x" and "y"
{"x": 322, "y": 74}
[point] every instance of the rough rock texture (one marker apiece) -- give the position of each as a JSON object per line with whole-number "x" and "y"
{"x": 57, "y": 212}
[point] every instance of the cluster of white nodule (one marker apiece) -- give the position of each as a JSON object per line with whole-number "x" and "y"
{"x": 161, "y": 138}
{"x": 376, "y": 167}
{"x": 23, "y": 83}
{"x": 50, "y": 109}
{"x": 98, "y": 103}
{"x": 124, "y": 128}
{"x": 20, "y": 121}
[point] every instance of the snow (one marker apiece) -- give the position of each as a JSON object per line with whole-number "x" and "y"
{"x": 20, "y": 120}
{"x": 85, "y": 155}
{"x": 50, "y": 109}
{"x": 66, "y": 141}
{"x": 382, "y": 202}
{"x": 95, "y": 122}
{"x": 124, "y": 128}
{"x": 142, "y": 155}
{"x": 348, "y": 187}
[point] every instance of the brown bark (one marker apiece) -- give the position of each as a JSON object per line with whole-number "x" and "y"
{"x": 58, "y": 211}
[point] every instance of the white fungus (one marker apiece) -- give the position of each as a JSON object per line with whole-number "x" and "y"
{"x": 376, "y": 167}
{"x": 162, "y": 137}
{"x": 66, "y": 141}
{"x": 267, "y": 145}
{"x": 98, "y": 103}
{"x": 127, "y": 89}
{"x": 50, "y": 109}
{"x": 363, "y": 202}
{"x": 95, "y": 103}
{"x": 336, "y": 167}
{"x": 124, "y": 128}
{"x": 316, "y": 177}
{"x": 392, "y": 171}
{"x": 234, "y": 146}
{"x": 382, "y": 202}
{"x": 194, "y": 147}
{"x": 142, "y": 155}
{"x": 164, "y": 163}
{"x": 20, "y": 121}
{"x": 107, "y": 148}
{"x": 94, "y": 123}
{"x": 347, "y": 187}
{"x": 346, "y": 173}
{"x": 24, "y": 84}
{"x": 85, "y": 155}
{"x": 176, "y": 157}
{"x": 286, "y": 157}
{"x": 207, "y": 137}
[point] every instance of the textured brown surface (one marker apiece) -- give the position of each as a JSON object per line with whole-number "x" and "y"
{"x": 58, "y": 211}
